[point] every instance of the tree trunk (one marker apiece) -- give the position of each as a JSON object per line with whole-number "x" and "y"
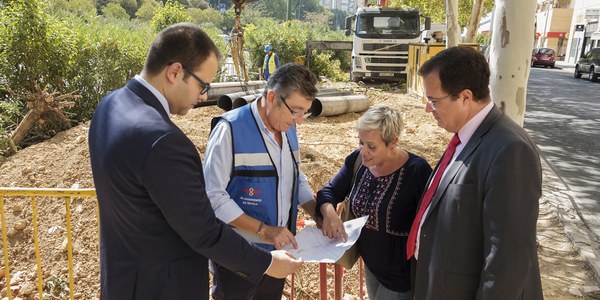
{"x": 452, "y": 28}
{"x": 510, "y": 55}
{"x": 26, "y": 124}
{"x": 476, "y": 13}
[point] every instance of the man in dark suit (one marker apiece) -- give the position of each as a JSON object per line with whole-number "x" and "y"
{"x": 476, "y": 238}
{"x": 157, "y": 227}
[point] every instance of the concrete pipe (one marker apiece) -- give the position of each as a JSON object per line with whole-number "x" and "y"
{"x": 205, "y": 103}
{"x": 217, "y": 89}
{"x": 337, "y": 105}
{"x": 333, "y": 92}
{"x": 241, "y": 101}
{"x": 245, "y": 99}
{"x": 225, "y": 102}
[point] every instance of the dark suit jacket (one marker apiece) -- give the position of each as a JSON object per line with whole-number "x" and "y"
{"x": 478, "y": 240}
{"x": 157, "y": 227}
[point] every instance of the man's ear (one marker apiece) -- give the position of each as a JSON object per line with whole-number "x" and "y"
{"x": 467, "y": 95}
{"x": 173, "y": 71}
{"x": 271, "y": 97}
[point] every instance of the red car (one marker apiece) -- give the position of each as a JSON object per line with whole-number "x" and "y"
{"x": 543, "y": 57}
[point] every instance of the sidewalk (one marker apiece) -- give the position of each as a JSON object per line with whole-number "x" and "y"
{"x": 557, "y": 194}
{"x": 564, "y": 65}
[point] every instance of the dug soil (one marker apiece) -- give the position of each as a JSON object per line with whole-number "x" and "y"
{"x": 63, "y": 162}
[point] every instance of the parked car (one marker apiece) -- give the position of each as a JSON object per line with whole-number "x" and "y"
{"x": 589, "y": 63}
{"x": 543, "y": 57}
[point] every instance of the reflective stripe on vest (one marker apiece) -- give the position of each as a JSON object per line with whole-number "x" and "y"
{"x": 254, "y": 179}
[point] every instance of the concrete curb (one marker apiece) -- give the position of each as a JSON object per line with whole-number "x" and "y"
{"x": 561, "y": 199}
{"x": 564, "y": 66}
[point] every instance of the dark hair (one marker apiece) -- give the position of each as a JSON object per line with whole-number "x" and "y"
{"x": 291, "y": 78}
{"x": 185, "y": 43}
{"x": 460, "y": 68}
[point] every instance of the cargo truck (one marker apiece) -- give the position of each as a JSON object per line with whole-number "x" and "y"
{"x": 380, "y": 41}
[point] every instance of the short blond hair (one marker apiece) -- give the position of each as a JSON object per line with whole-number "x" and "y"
{"x": 386, "y": 120}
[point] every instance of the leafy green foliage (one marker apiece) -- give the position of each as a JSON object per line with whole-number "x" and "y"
{"x": 483, "y": 38}
{"x": 130, "y": 6}
{"x": 63, "y": 47}
{"x": 436, "y": 9}
{"x": 37, "y": 52}
{"x": 276, "y": 9}
{"x": 109, "y": 54}
{"x": 201, "y": 4}
{"x": 115, "y": 11}
{"x": 147, "y": 10}
{"x": 289, "y": 42}
{"x": 80, "y": 8}
{"x": 35, "y": 48}
{"x": 324, "y": 64}
{"x": 206, "y": 16}
{"x": 35, "y": 56}
{"x": 172, "y": 13}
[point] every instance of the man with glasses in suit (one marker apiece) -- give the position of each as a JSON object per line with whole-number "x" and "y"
{"x": 157, "y": 228}
{"x": 474, "y": 235}
{"x": 253, "y": 177}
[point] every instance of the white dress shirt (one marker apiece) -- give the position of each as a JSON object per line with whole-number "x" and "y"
{"x": 217, "y": 171}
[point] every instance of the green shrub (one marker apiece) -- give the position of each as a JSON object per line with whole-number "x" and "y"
{"x": 289, "y": 42}
{"x": 147, "y": 10}
{"x": 205, "y": 16}
{"x": 38, "y": 52}
{"x": 109, "y": 54}
{"x": 322, "y": 64}
{"x": 115, "y": 11}
{"x": 172, "y": 13}
{"x": 35, "y": 48}
{"x": 80, "y": 8}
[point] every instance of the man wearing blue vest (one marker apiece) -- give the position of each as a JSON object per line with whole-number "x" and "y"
{"x": 271, "y": 62}
{"x": 253, "y": 177}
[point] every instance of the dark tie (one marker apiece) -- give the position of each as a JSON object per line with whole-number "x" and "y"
{"x": 412, "y": 237}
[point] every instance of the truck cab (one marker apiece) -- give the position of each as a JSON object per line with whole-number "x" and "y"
{"x": 380, "y": 41}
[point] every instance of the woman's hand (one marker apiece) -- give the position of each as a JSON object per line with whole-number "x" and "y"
{"x": 333, "y": 226}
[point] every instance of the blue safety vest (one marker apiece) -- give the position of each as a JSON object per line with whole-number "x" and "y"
{"x": 254, "y": 179}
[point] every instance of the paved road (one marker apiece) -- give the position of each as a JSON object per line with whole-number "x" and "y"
{"x": 563, "y": 117}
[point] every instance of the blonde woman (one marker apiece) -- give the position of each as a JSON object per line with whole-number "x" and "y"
{"x": 387, "y": 188}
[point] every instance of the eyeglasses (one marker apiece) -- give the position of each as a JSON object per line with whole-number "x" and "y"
{"x": 297, "y": 115}
{"x": 433, "y": 102}
{"x": 205, "y": 86}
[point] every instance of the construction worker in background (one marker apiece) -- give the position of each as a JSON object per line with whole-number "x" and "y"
{"x": 271, "y": 62}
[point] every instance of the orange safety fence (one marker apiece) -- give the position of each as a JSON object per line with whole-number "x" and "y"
{"x": 68, "y": 196}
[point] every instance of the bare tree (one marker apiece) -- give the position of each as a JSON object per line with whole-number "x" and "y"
{"x": 452, "y": 28}
{"x": 476, "y": 13}
{"x": 510, "y": 55}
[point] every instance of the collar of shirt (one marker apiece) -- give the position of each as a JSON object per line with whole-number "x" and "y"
{"x": 468, "y": 130}
{"x": 261, "y": 124}
{"x": 155, "y": 92}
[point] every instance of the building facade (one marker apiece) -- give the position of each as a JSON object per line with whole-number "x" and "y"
{"x": 584, "y": 33}
{"x": 553, "y": 20}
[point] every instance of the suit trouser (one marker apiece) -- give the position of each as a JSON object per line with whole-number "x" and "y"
{"x": 413, "y": 275}
{"x": 230, "y": 286}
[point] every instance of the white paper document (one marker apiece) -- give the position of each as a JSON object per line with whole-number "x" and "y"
{"x": 313, "y": 246}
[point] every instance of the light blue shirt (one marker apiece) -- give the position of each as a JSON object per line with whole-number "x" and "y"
{"x": 218, "y": 160}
